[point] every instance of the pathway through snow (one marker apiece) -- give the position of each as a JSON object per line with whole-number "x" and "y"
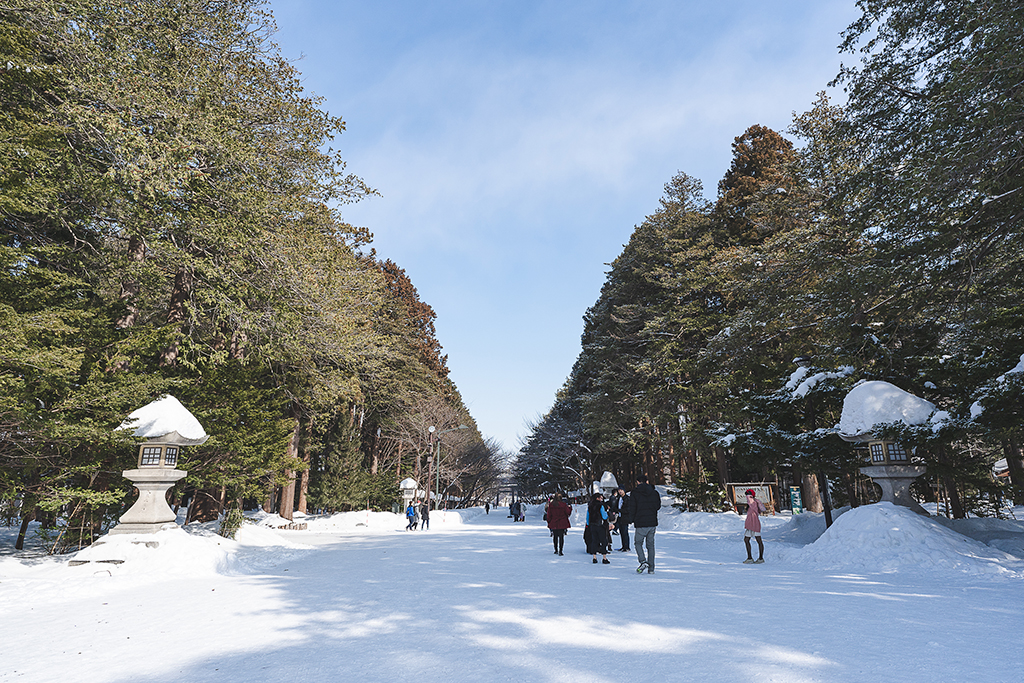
{"x": 488, "y": 601}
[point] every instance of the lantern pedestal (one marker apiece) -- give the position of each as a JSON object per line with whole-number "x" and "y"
{"x": 895, "y": 481}
{"x": 151, "y": 513}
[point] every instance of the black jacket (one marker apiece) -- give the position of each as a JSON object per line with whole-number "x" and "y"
{"x": 644, "y": 503}
{"x": 624, "y": 518}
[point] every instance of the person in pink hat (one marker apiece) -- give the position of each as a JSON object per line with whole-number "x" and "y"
{"x": 752, "y": 527}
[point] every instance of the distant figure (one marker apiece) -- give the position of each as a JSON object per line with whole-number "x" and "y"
{"x": 644, "y": 503}
{"x": 515, "y": 511}
{"x": 425, "y": 516}
{"x": 557, "y": 513}
{"x": 595, "y": 534}
{"x": 487, "y": 508}
{"x": 522, "y": 511}
{"x": 410, "y": 516}
{"x": 752, "y": 527}
{"x": 621, "y": 505}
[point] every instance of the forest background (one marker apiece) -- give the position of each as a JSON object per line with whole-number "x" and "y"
{"x": 885, "y": 244}
{"x": 170, "y": 223}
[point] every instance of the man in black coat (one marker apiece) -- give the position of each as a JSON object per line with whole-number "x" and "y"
{"x": 621, "y": 505}
{"x": 644, "y": 503}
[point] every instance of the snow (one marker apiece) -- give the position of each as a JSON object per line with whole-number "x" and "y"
{"x": 800, "y": 383}
{"x": 875, "y": 403}
{"x": 976, "y": 407}
{"x": 165, "y": 416}
{"x": 884, "y": 594}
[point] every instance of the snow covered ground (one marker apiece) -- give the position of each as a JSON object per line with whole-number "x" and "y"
{"x": 884, "y": 595}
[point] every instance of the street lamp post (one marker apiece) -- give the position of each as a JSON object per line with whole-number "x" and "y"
{"x": 431, "y": 458}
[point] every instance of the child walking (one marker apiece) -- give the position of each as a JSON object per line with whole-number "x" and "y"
{"x": 752, "y": 527}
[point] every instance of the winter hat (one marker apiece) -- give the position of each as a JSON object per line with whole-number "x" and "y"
{"x": 750, "y": 492}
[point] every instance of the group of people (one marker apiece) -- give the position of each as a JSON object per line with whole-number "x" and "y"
{"x": 640, "y": 508}
{"x": 517, "y": 511}
{"x": 417, "y": 515}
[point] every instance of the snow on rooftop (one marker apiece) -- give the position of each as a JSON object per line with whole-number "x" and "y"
{"x": 165, "y": 416}
{"x": 878, "y": 403}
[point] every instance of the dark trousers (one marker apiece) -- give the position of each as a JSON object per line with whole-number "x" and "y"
{"x": 624, "y": 535}
{"x": 558, "y": 537}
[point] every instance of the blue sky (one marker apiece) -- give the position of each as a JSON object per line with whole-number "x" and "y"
{"x": 517, "y": 144}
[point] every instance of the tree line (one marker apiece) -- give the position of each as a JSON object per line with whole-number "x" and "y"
{"x": 171, "y": 222}
{"x": 880, "y": 239}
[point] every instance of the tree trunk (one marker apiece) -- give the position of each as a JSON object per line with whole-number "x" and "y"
{"x": 286, "y": 507}
{"x": 811, "y": 493}
{"x": 956, "y": 506}
{"x": 303, "y": 489}
{"x": 1013, "y": 461}
{"x": 25, "y": 520}
{"x": 270, "y": 501}
{"x": 205, "y": 506}
{"x": 826, "y": 502}
{"x": 180, "y": 294}
{"x": 130, "y": 286}
{"x": 723, "y": 467}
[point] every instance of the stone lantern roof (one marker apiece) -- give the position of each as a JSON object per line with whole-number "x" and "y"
{"x": 166, "y": 421}
{"x": 876, "y": 403}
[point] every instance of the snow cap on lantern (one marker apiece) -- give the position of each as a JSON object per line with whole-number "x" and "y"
{"x": 166, "y": 425}
{"x": 877, "y": 403}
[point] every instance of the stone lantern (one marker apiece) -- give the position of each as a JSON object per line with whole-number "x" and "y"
{"x": 166, "y": 426}
{"x": 409, "y": 487}
{"x": 608, "y": 484}
{"x": 887, "y": 462}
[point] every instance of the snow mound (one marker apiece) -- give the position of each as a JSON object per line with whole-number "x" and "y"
{"x": 196, "y": 550}
{"x": 1005, "y": 534}
{"x": 875, "y": 403}
{"x": 169, "y": 552}
{"x": 358, "y": 520}
{"x": 701, "y": 522}
{"x": 165, "y": 416}
{"x": 883, "y": 537}
{"x": 803, "y": 529}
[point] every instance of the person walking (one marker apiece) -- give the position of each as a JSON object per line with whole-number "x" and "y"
{"x": 425, "y": 516}
{"x": 752, "y": 527}
{"x": 557, "y": 513}
{"x": 595, "y": 534}
{"x": 487, "y": 508}
{"x": 621, "y": 504}
{"x": 410, "y": 516}
{"x": 644, "y": 503}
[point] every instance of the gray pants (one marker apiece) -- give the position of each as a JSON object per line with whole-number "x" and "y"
{"x": 645, "y": 536}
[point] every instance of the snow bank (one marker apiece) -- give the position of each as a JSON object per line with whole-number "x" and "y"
{"x": 874, "y": 403}
{"x": 888, "y": 538}
{"x": 196, "y": 550}
{"x": 1005, "y": 534}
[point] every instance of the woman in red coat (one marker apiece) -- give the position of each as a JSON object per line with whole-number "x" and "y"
{"x": 558, "y": 512}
